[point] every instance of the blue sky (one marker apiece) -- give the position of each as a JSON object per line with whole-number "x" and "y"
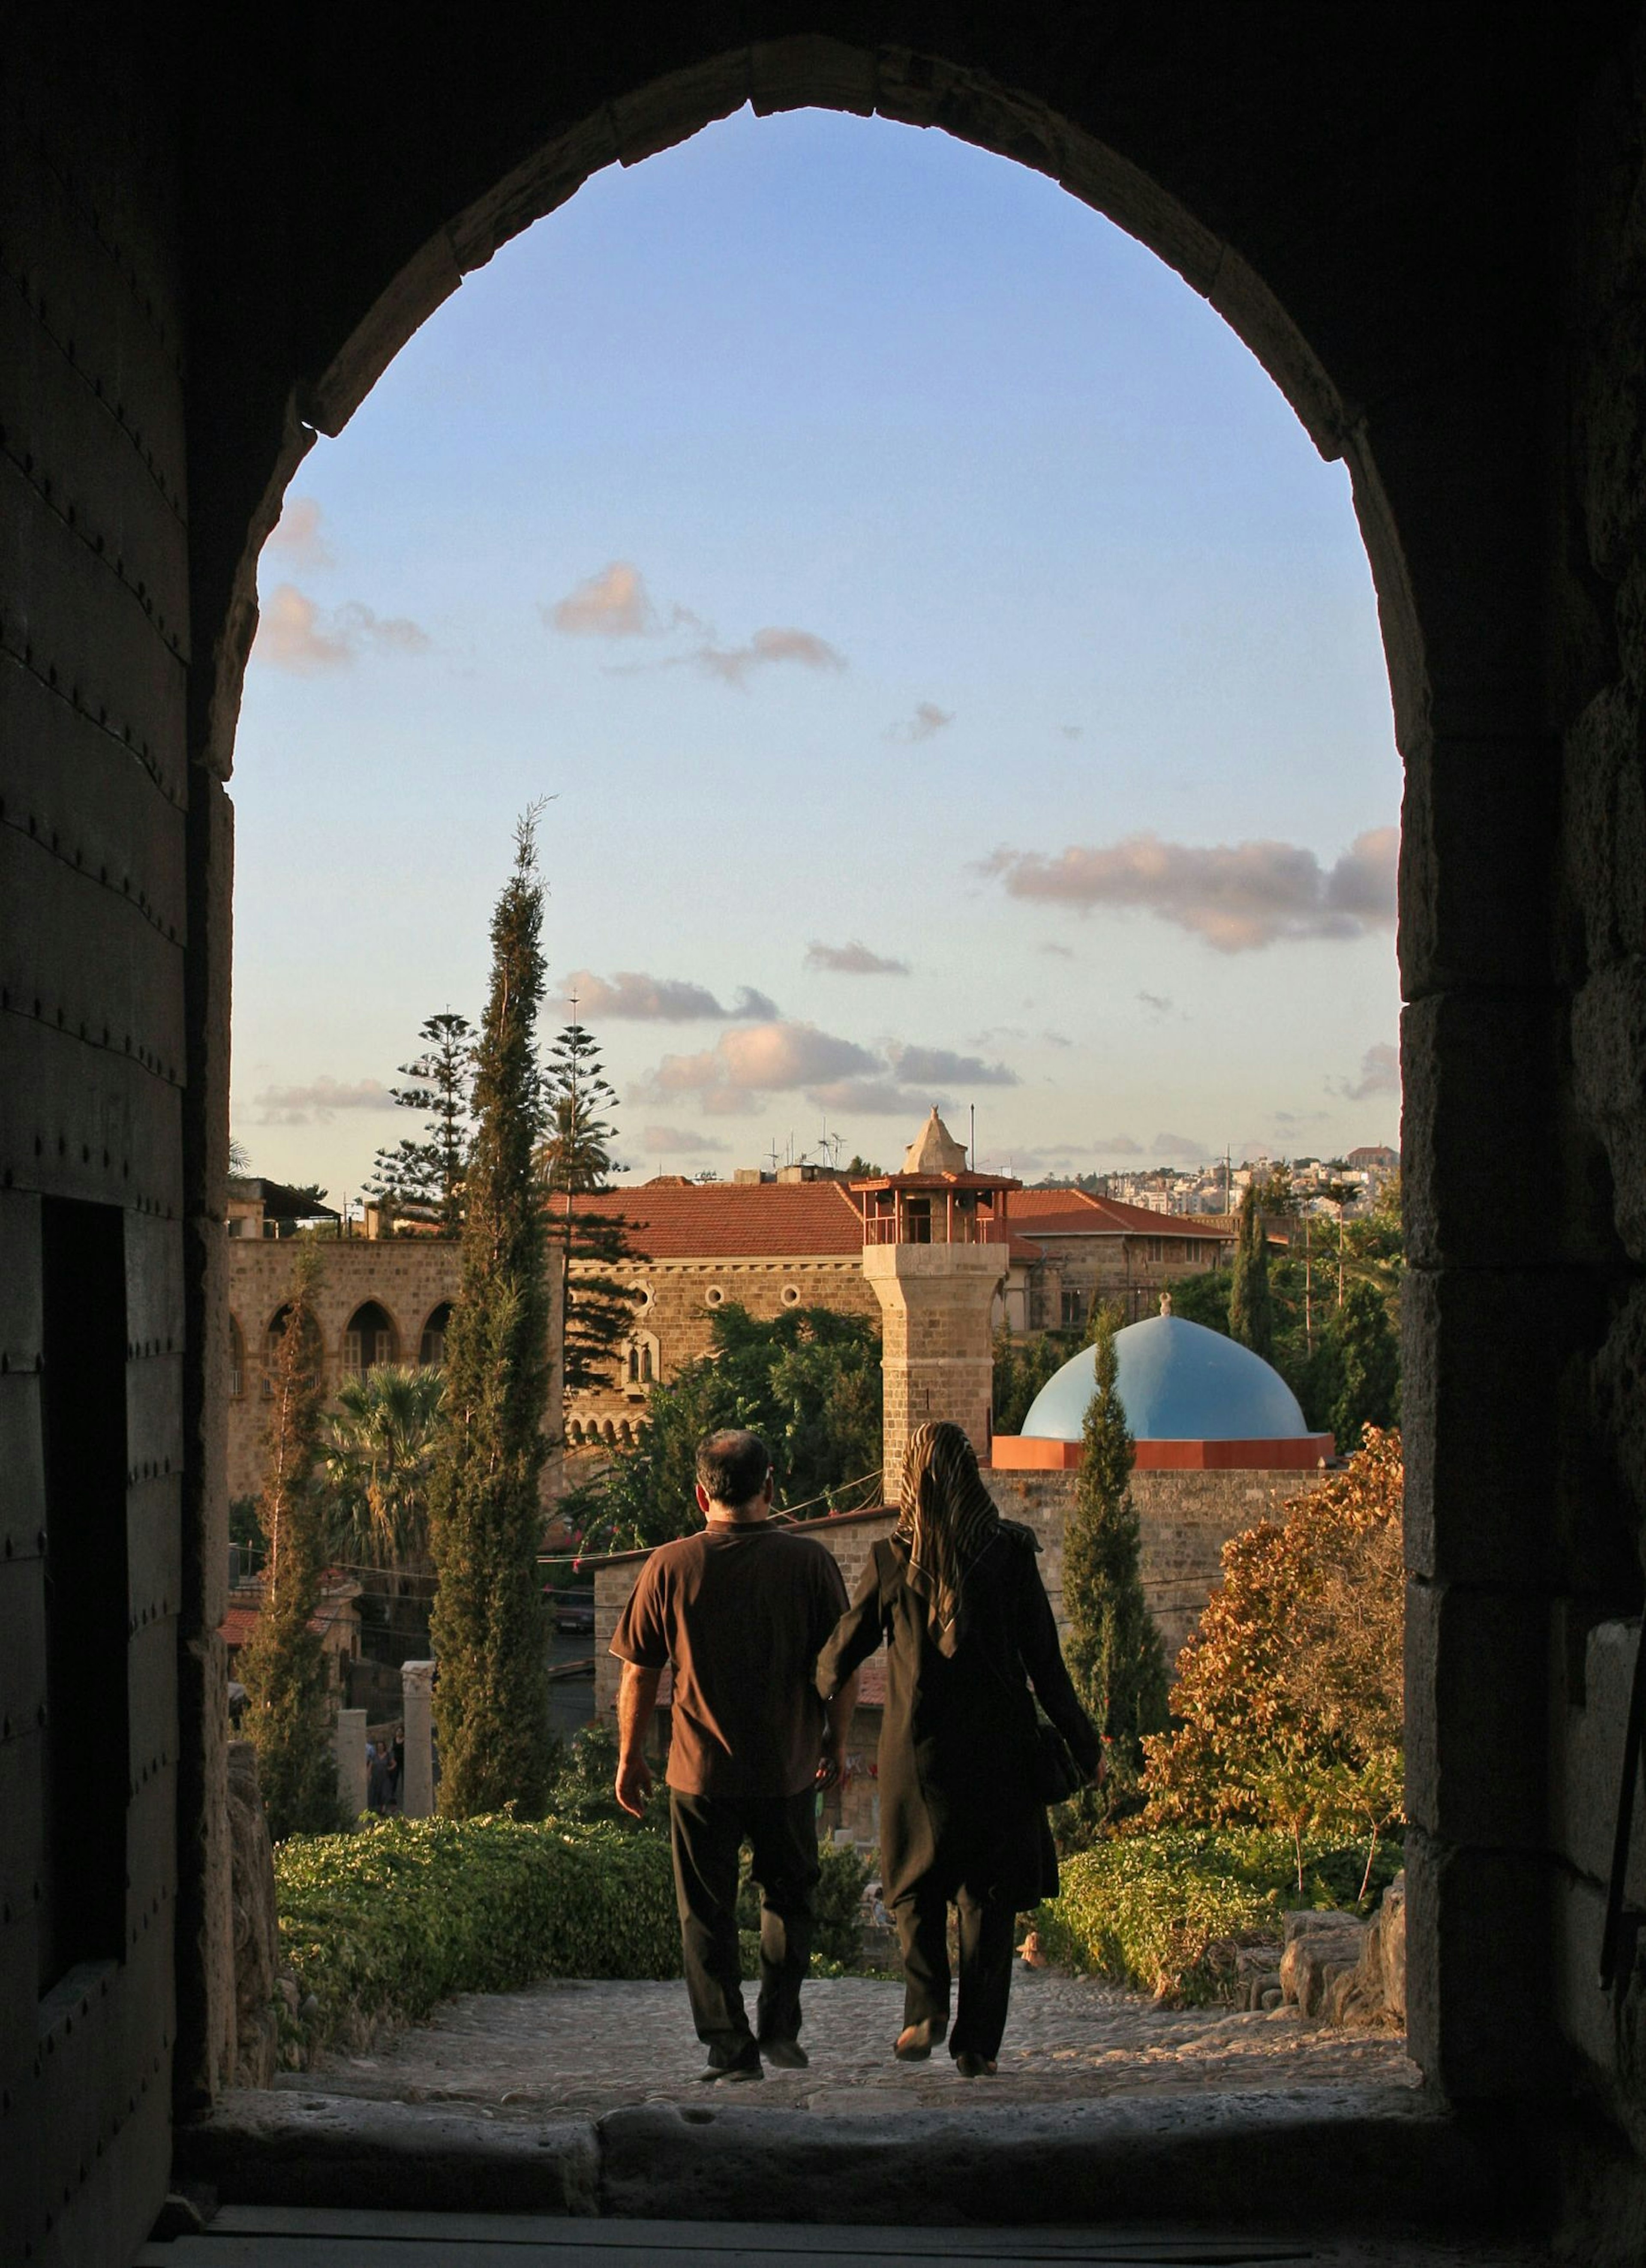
{"x": 880, "y": 559}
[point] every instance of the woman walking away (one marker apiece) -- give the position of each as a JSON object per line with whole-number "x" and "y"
{"x": 956, "y": 1595}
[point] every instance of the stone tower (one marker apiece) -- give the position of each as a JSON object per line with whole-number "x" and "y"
{"x": 936, "y": 1247}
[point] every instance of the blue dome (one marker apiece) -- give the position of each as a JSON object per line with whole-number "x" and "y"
{"x": 1178, "y": 1382}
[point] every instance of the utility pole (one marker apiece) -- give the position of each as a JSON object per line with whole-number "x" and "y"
{"x": 971, "y": 1146}
{"x": 1309, "y": 1287}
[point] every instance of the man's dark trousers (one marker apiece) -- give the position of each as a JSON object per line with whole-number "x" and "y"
{"x": 706, "y": 1833}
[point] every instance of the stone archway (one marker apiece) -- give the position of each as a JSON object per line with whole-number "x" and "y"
{"x": 216, "y": 250}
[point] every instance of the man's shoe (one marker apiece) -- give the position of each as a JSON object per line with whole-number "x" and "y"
{"x": 745, "y": 2067}
{"x": 915, "y": 2042}
{"x": 787, "y": 2055}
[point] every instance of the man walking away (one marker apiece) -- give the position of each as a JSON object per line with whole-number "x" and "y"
{"x": 741, "y": 1610}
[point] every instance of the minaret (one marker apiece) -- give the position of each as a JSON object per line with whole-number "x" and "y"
{"x": 936, "y": 1249}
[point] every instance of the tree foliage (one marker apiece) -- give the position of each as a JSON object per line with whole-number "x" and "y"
{"x": 1289, "y": 1692}
{"x": 1113, "y": 1646}
{"x": 425, "y": 1178}
{"x": 1022, "y": 1367}
{"x": 808, "y": 1381}
{"x": 574, "y": 1158}
{"x": 1250, "y": 1309}
{"x": 282, "y": 1665}
{"x": 377, "y": 1459}
{"x": 484, "y": 1519}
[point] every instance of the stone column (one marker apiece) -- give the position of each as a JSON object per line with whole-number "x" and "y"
{"x": 417, "y": 1685}
{"x": 351, "y": 1774}
{"x": 937, "y": 1352}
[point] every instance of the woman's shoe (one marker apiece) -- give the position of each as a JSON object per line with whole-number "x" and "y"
{"x": 975, "y": 2066}
{"x": 915, "y": 2042}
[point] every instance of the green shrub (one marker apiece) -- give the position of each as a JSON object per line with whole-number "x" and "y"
{"x": 1162, "y": 1911}
{"x": 381, "y": 1923}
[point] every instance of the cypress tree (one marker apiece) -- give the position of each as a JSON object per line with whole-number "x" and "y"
{"x": 1114, "y": 1649}
{"x": 1368, "y": 1355}
{"x": 1250, "y": 1305}
{"x": 282, "y": 1665}
{"x": 485, "y": 1522}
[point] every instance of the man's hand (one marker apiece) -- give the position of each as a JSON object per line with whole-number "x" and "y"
{"x": 634, "y": 1785}
{"x": 828, "y": 1764}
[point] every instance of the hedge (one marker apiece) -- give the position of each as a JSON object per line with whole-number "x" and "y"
{"x": 380, "y": 1925}
{"x": 1163, "y": 1912}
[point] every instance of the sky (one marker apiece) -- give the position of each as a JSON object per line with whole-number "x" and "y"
{"x": 952, "y": 674}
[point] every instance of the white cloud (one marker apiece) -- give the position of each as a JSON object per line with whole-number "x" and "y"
{"x": 293, "y": 634}
{"x": 853, "y": 960}
{"x": 1059, "y": 952}
{"x": 941, "y": 1067}
{"x": 1238, "y": 896}
{"x": 777, "y": 1057}
{"x": 1117, "y": 1146}
{"x": 1380, "y": 1074}
{"x": 928, "y": 719}
{"x": 632, "y": 995}
{"x": 297, "y": 536}
{"x": 617, "y": 604}
{"x": 1177, "y": 1146}
{"x": 874, "y": 1098}
{"x": 732, "y": 664}
{"x": 680, "y": 1142}
{"x": 614, "y": 603}
{"x": 1157, "y": 1001}
{"x": 319, "y": 1102}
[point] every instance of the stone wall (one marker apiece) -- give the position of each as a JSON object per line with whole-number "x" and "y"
{"x": 937, "y": 1357}
{"x": 677, "y": 1315}
{"x": 407, "y": 1277}
{"x": 1185, "y": 1519}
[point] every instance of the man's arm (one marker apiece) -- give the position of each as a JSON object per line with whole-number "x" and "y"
{"x": 636, "y": 1698}
{"x": 837, "y": 1725}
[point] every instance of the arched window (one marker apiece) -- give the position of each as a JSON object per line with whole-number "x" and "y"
{"x": 237, "y": 1362}
{"x": 431, "y": 1345}
{"x": 639, "y": 1365}
{"x": 368, "y": 1342}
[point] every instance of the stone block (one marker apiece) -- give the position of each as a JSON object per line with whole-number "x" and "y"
{"x": 1470, "y": 913}
{"x": 1482, "y": 1453}
{"x": 418, "y": 1703}
{"x": 1479, "y": 2017}
{"x": 1477, "y": 1686}
{"x": 1586, "y": 1764}
{"x": 1471, "y": 1061}
{"x": 1609, "y": 1041}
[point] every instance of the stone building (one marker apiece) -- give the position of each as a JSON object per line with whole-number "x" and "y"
{"x": 1429, "y": 227}
{"x": 794, "y": 1241}
{"x": 379, "y": 1299}
{"x": 1071, "y": 1248}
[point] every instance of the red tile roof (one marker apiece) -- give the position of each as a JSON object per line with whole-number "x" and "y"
{"x": 1073, "y": 1212}
{"x": 725, "y": 1220}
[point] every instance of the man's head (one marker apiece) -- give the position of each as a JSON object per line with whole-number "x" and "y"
{"x": 734, "y": 1474}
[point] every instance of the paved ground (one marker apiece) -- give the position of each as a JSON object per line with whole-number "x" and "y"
{"x": 588, "y": 2048}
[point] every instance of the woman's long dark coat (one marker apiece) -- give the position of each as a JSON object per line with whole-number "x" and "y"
{"x": 956, "y": 1742}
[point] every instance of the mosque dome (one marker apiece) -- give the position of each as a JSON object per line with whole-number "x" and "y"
{"x": 1179, "y": 1381}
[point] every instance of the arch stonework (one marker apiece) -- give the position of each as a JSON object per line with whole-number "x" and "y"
{"x": 1439, "y": 265}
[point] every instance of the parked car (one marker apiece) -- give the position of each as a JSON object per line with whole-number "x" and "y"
{"x": 575, "y": 1611}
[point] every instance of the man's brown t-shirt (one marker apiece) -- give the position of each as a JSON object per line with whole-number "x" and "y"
{"x": 742, "y": 1611}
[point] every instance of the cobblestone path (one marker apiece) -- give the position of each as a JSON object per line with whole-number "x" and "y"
{"x": 591, "y": 2047}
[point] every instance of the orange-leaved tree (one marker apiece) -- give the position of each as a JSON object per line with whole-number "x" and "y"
{"x": 1288, "y": 1694}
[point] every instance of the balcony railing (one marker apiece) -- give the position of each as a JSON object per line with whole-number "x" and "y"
{"x": 969, "y": 1228}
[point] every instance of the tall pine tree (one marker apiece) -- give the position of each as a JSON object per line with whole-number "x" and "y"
{"x": 574, "y": 1157}
{"x": 485, "y": 1522}
{"x": 283, "y": 1666}
{"x": 1251, "y": 1304}
{"x": 425, "y": 1179}
{"x": 1114, "y": 1649}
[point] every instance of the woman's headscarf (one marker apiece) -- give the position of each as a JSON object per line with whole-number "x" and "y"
{"x": 948, "y": 1520}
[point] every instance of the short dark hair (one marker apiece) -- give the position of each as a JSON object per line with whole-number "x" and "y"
{"x": 732, "y": 1465}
